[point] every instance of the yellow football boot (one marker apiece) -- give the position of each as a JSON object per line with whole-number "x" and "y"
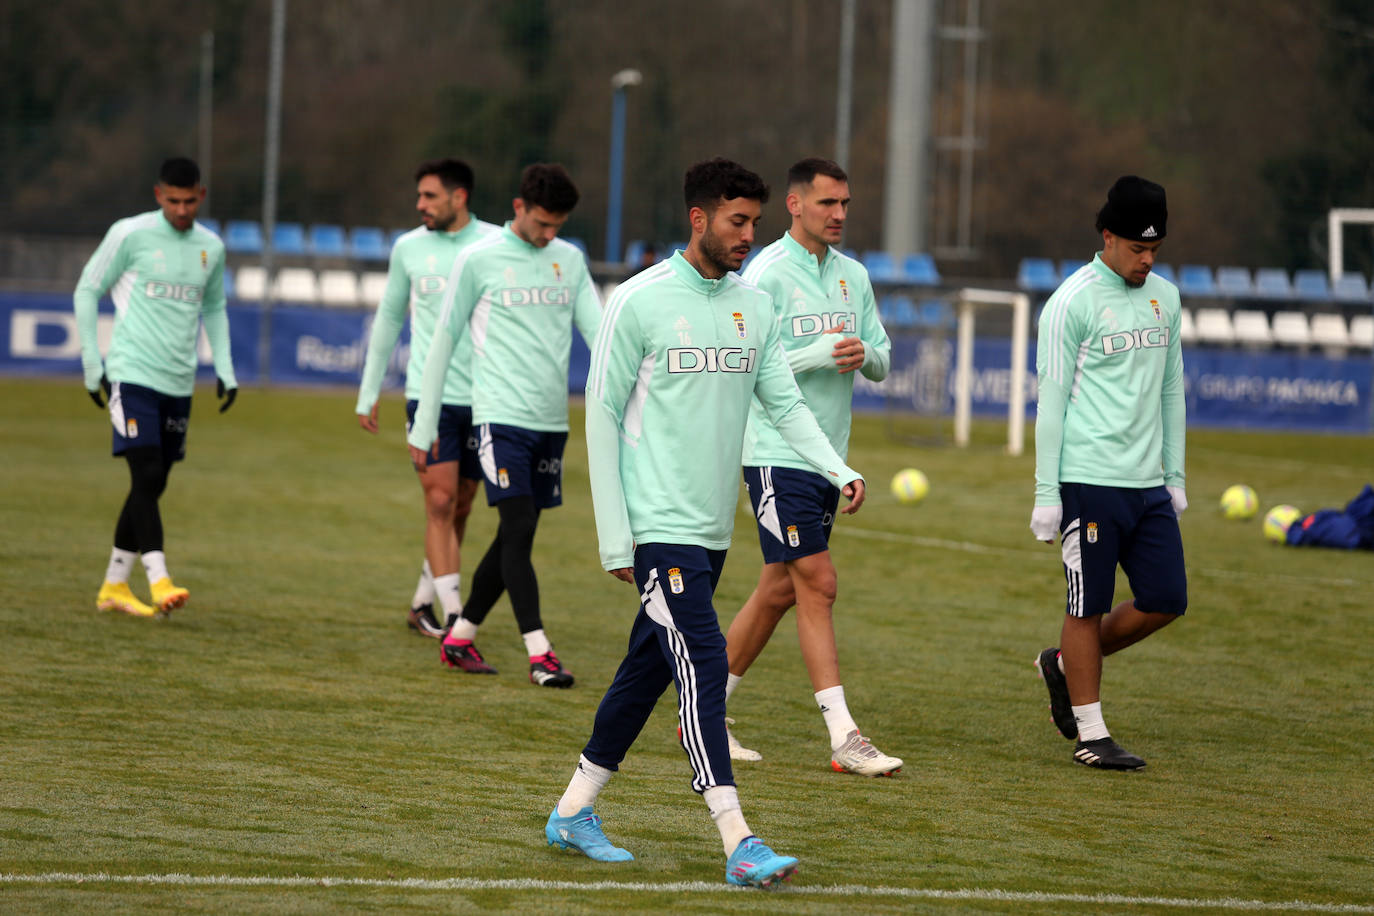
{"x": 116, "y": 596}
{"x": 168, "y": 597}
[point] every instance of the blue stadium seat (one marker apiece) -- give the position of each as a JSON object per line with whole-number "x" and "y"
{"x": 1311, "y": 285}
{"x": 898, "y": 312}
{"x": 1068, "y": 266}
{"x": 1273, "y": 283}
{"x": 1234, "y": 282}
{"x": 920, "y": 269}
{"x": 368, "y": 243}
{"x": 392, "y": 238}
{"x": 634, "y": 250}
{"x": 327, "y": 241}
{"x": 288, "y": 238}
{"x": 1350, "y": 287}
{"x": 1037, "y": 274}
{"x": 850, "y": 253}
{"x": 208, "y": 223}
{"x": 882, "y": 267}
{"x": 936, "y": 313}
{"x": 1164, "y": 271}
{"x": 576, "y": 243}
{"x": 228, "y": 284}
{"x": 1196, "y": 280}
{"x": 243, "y": 236}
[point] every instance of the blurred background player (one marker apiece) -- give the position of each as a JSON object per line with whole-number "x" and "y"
{"x": 165, "y": 273}
{"x": 1109, "y": 442}
{"x": 684, "y": 349}
{"x": 518, "y": 292}
{"x": 829, "y": 326}
{"x": 416, "y": 277}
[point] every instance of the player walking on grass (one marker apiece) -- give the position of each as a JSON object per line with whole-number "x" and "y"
{"x": 829, "y": 327}
{"x": 1109, "y": 442}
{"x": 684, "y": 348}
{"x": 416, "y": 278}
{"x": 165, "y": 273}
{"x": 517, "y": 293}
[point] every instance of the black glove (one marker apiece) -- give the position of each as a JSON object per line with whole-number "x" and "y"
{"x": 228, "y": 394}
{"x": 95, "y": 395}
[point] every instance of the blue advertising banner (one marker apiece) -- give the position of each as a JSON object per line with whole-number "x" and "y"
{"x": 1273, "y": 389}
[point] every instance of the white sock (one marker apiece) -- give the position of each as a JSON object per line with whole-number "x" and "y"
{"x": 536, "y": 643}
{"x": 155, "y": 565}
{"x": 424, "y": 589}
{"x": 121, "y": 564}
{"x": 731, "y": 682}
{"x": 1090, "y": 724}
{"x": 723, "y": 803}
{"x": 1059, "y": 660}
{"x": 586, "y": 784}
{"x": 446, "y": 587}
{"x": 836, "y": 713}
{"x": 462, "y": 629}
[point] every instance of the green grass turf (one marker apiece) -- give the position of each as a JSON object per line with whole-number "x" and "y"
{"x": 287, "y": 723}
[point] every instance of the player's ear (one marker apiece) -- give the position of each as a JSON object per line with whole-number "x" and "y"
{"x": 794, "y": 203}
{"x": 697, "y": 217}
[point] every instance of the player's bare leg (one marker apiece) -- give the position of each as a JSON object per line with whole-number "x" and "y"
{"x": 1126, "y": 626}
{"x": 753, "y": 626}
{"x": 1083, "y": 642}
{"x": 441, "y": 485}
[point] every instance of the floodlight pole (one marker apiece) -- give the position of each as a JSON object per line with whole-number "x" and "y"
{"x": 619, "y": 83}
{"x": 269, "y": 182}
{"x": 205, "y": 110}
{"x": 844, "y": 89}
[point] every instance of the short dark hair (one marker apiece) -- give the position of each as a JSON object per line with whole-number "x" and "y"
{"x": 179, "y": 172}
{"x": 547, "y": 185}
{"x": 452, "y": 173}
{"x": 709, "y": 182}
{"x": 805, "y": 171}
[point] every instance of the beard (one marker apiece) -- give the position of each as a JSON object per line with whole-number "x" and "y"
{"x": 718, "y": 254}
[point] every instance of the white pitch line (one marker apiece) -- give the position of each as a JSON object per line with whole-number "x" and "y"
{"x": 698, "y": 887}
{"x": 970, "y": 547}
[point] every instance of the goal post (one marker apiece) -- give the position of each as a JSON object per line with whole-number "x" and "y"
{"x": 967, "y": 303}
{"x": 1335, "y": 239}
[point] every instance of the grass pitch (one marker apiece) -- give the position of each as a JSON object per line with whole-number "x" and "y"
{"x": 286, "y": 724}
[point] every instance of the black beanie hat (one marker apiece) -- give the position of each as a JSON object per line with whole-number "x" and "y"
{"x": 1135, "y": 210}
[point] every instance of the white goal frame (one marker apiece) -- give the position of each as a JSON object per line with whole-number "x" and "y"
{"x": 967, "y": 303}
{"x": 1335, "y": 239}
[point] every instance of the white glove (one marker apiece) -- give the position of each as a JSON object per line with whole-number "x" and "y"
{"x": 1180, "y": 500}
{"x": 1045, "y": 522}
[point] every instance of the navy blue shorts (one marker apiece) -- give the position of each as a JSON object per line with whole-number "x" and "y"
{"x": 1137, "y": 529}
{"x": 795, "y": 511}
{"x": 521, "y": 462}
{"x": 676, "y": 639}
{"x": 457, "y": 438}
{"x": 145, "y": 418}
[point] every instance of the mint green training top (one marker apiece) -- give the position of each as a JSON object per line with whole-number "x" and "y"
{"x": 519, "y": 303}
{"x": 415, "y": 281}
{"x": 677, "y": 363}
{"x": 1110, "y": 365}
{"x": 163, "y": 283}
{"x": 809, "y": 298}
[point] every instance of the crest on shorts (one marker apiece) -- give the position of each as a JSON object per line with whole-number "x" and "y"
{"x": 844, "y": 292}
{"x": 675, "y": 580}
{"x": 1092, "y": 532}
{"x": 131, "y": 428}
{"x": 739, "y": 325}
{"x": 557, "y": 272}
{"x": 1154, "y": 304}
{"x": 793, "y": 539}
{"x": 502, "y": 478}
